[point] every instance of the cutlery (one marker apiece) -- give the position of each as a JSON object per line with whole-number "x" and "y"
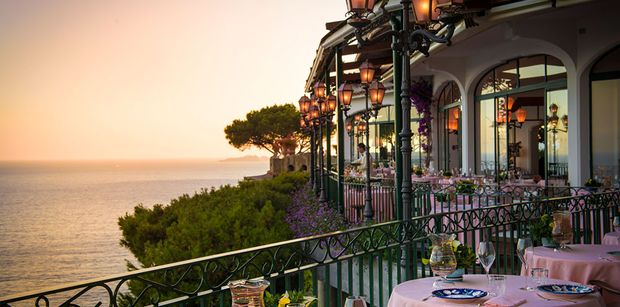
{"x": 426, "y": 298}
{"x": 554, "y": 299}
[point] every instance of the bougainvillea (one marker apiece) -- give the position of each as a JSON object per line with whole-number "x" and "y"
{"x": 307, "y": 217}
{"x": 421, "y": 98}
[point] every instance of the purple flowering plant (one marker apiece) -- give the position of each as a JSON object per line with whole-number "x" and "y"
{"x": 307, "y": 217}
{"x": 421, "y": 98}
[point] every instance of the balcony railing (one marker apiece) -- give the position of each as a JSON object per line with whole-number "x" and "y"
{"x": 362, "y": 261}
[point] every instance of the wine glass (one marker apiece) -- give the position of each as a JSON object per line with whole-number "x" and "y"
{"x": 522, "y": 245}
{"x": 486, "y": 255}
{"x": 355, "y": 301}
{"x": 617, "y": 224}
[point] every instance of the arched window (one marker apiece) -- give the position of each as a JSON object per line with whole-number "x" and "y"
{"x": 605, "y": 116}
{"x": 522, "y": 119}
{"x": 449, "y": 117}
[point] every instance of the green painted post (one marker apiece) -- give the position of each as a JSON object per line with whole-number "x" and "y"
{"x": 341, "y": 129}
{"x": 328, "y": 140}
{"x": 398, "y": 66}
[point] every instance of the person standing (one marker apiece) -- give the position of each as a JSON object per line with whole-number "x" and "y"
{"x": 362, "y": 161}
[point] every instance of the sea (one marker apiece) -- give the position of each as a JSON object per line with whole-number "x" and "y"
{"x": 59, "y": 220}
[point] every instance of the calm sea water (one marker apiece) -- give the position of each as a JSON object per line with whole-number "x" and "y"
{"x": 58, "y": 220}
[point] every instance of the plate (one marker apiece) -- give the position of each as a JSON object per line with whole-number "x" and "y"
{"x": 457, "y": 295}
{"x": 615, "y": 254}
{"x": 565, "y": 291}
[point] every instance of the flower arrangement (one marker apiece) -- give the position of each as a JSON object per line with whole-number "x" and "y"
{"x": 466, "y": 187}
{"x": 465, "y": 256}
{"x": 290, "y": 297}
{"x": 503, "y": 175}
{"x": 418, "y": 171}
{"x": 421, "y": 98}
{"x": 593, "y": 183}
{"x": 447, "y": 174}
{"x": 542, "y": 228}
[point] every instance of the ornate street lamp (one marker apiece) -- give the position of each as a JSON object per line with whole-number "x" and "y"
{"x": 521, "y": 115}
{"x": 345, "y": 94}
{"x": 406, "y": 41}
{"x": 374, "y": 91}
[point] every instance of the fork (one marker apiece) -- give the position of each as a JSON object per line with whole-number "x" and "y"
{"x": 426, "y": 298}
{"x": 554, "y": 299}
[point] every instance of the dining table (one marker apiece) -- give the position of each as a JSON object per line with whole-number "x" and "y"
{"x": 578, "y": 263}
{"x": 611, "y": 238}
{"x": 417, "y": 293}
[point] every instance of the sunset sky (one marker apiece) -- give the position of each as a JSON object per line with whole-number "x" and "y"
{"x": 147, "y": 79}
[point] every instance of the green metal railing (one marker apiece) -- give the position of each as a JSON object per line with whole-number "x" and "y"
{"x": 366, "y": 261}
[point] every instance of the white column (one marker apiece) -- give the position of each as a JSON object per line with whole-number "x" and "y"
{"x": 579, "y": 127}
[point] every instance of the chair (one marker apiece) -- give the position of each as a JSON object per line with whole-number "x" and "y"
{"x": 603, "y": 286}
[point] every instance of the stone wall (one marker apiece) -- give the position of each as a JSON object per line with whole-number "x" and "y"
{"x": 299, "y": 162}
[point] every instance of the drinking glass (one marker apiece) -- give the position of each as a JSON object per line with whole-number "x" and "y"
{"x": 497, "y": 285}
{"x": 486, "y": 255}
{"x": 539, "y": 275}
{"x": 617, "y": 224}
{"x": 562, "y": 231}
{"x": 355, "y": 301}
{"x": 522, "y": 246}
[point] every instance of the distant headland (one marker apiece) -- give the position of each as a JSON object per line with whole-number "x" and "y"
{"x": 249, "y": 158}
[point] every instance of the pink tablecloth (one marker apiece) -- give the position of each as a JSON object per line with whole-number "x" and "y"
{"x": 612, "y": 238}
{"x": 382, "y": 204}
{"x": 581, "y": 264}
{"x": 411, "y": 293}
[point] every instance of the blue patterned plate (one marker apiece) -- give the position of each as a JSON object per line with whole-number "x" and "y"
{"x": 565, "y": 291}
{"x": 457, "y": 295}
{"x": 615, "y": 254}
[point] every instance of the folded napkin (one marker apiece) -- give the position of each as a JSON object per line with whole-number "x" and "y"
{"x": 505, "y": 300}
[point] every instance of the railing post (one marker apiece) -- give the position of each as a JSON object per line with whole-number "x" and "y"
{"x": 398, "y": 125}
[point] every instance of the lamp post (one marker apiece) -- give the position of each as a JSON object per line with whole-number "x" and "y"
{"x": 407, "y": 40}
{"x": 373, "y": 91}
{"x": 318, "y": 110}
{"x": 304, "y": 109}
{"x": 552, "y": 125}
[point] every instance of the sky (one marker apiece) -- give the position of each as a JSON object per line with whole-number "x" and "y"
{"x": 148, "y": 79}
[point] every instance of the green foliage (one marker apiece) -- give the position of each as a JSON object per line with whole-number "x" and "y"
{"x": 442, "y": 197}
{"x": 466, "y": 187}
{"x": 593, "y": 183}
{"x": 465, "y": 256}
{"x": 210, "y": 222}
{"x": 542, "y": 228}
{"x": 448, "y": 174}
{"x": 266, "y": 128}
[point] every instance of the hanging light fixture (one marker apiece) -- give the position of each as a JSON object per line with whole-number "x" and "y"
{"x": 376, "y": 92}
{"x": 320, "y": 89}
{"x": 521, "y": 114}
{"x": 345, "y": 93}
{"x": 511, "y": 103}
{"x": 456, "y": 112}
{"x": 565, "y": 121}
{"x": 304, "y": 104}
{"x": 361, "y": 127}
{"x": 331, "y": 104}
{"x": 360, "y": 6}
{"x": 367, "y": 72}
{"x": 358, "y": 117}
{"x": 349, "y": 127}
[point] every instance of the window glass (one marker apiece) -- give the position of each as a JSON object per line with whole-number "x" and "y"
{"x": 555, "y": 69}
{"x": 557, "y": 134}
{"x": 486, "y": 84}
{"x": 606, "y": 129}
{"x": 531, "y": 70}
{"x": 486, "y": 134}
{"x": 506, "y": 76}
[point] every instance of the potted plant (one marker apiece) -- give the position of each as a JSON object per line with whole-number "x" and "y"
{"x": 418, "y": 171}
{"x": 541, "y": 231}
{"x": 290, "y": 297}
{"x": 465, "y": 258}
{"x": 592, "y": 184}
{"x": 465, "y": 187}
